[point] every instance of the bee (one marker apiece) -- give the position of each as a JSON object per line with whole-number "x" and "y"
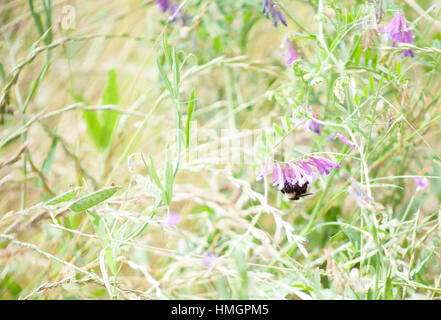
{"x": 294, "y": 192}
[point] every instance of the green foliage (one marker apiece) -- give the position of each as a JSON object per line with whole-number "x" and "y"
{"x": 101, "y": 128}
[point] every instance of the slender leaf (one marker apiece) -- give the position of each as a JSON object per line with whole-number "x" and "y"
{"x": 110, "y": 117}
{"x": 189, "y": 116}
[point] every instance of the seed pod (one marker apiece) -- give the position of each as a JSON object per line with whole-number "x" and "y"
{"x": 92, "y": 199}
{"x": 66, "y": 196}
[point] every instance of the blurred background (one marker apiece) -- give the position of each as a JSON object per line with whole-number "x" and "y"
{"x": 104, "y": 94}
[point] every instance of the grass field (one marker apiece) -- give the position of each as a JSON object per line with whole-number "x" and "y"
{"x": 149, "y": 149}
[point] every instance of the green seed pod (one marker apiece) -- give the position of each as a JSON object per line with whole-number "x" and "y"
{"x": 66, "y": 196}
{"x": 92, "y": 199}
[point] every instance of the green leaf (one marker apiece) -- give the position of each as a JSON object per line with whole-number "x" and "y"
{"x": 110, "y": 260}
{"x": 374, "y": 61}
{"x": 371, "y": 83}
{"x": 167, "y": 50}
{"x": 2, "y": 73}
{"x": 47, "y": 7}
{"x": 279, "y": 132}
{"x": 189, "y": 116}
{"x": 357, "y": 99}
{"x": 153, "y": 174}
{"x": 93, "y": 126}
{"x": 110, "y": 118}
{"x": 339, "y": 107}
{"x": 169, "y": 177}
{"x": 148, "y": 186}
{"x": 176, "y": 73}
{"x": 164, "y": 78}
{"x": 36, "y": 17}
{"x": 420, "y": 265}
{"x": 92, "y": 199}
{"x": 366, "y": 91}
{"x": 98, "y": 225}
{"x": 367, "y": 57}
{"x": 357, "y": 54}
{"x": 91, "y": 118}
{"x": 104, "y": 272}
{"x": 35, "y": 86}
{"x": 48, "y": 162}
{"x": 286, "y": 125}
{"x": 399, "y": 67}
{"x": 302, "y": 286}
{"x": 13, "y": 287}
{"x": 354, "y": 236}
{"x": 388, "y": 293}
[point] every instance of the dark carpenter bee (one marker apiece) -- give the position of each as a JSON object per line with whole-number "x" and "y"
{"x": 294, "y": 191}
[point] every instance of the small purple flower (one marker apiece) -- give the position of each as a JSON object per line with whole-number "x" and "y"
{"x": 268, "y": 7}
{"x": 314, "y": 126}
{"x": 398, "y": 31}
{"x": 263, "y": 171}
{"x": 173, "y": 6}
{"x": 343, "y": 139}
{"x": 171, "y": 219}
{"x": 163, "y": 4}
{"x": 422, "y": 182}
{"x": 291, "y": 54}
{"x": 209, "y": 259}
{"x": 309, "y": 124}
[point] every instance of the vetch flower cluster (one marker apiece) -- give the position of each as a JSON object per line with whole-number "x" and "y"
{"x": 268, "y": 7}
{"x": 398, "y": 31}
{"x": 298, "y": 173}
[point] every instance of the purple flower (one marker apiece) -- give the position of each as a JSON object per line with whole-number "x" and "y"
{"x": 422, "y": 182}
{"x": 292, "y": 178}
{"x": 163, "y": 4}
{"x": 291, "y": 54}
{"x": 309, "y": 124}
{"x": 313, "y": 126}
{"x": 171, "y": 219}
{"x": 173, "y": 6}
{"x": 300, "y": 171}
{"x": 343, "y": 139}
{"x": 323, "y": 165}
{"x": 263, "y": 171}
{"x": 399, "y": 32}
{"x": 268, "y": 7}
{"x": 278, "y": 176}
{"x": 209, "y": 259}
